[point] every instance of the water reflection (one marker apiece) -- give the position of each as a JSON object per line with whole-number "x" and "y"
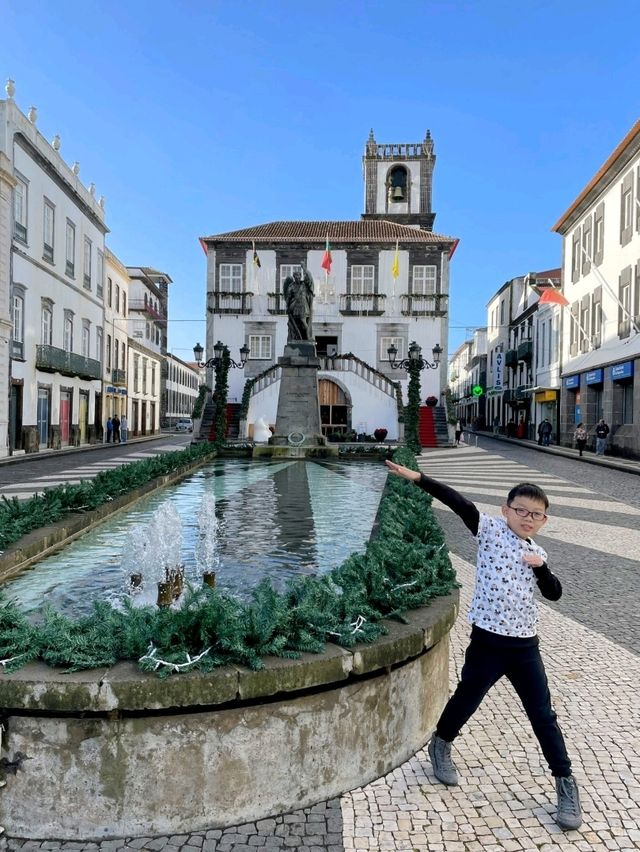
{"x": 274, "y": 520}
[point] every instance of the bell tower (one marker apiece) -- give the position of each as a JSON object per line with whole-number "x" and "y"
{"x": 398, "y": 182}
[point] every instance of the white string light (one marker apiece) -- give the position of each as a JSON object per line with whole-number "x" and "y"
{"x": 176, "y": 667}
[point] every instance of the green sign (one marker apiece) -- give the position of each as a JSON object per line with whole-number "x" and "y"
{"x": 477, "y": 390}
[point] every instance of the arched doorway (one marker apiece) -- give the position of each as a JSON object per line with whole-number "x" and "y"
{"x": 334, "y": 410}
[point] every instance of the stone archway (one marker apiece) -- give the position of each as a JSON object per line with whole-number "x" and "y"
{"x": 335, "y": 409}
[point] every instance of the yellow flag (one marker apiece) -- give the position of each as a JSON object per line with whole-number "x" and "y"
{"x": 395, "y": 269}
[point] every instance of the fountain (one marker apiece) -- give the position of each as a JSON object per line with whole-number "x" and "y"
{"x": 84, "y": 751}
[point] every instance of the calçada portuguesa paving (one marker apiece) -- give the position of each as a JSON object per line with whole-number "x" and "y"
{"x": 591, "y": 643}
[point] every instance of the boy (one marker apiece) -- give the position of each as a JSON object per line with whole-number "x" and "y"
{"x": 504, "y": 643}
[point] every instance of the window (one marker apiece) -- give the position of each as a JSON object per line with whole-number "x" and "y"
{"x": 48, "y": 230}
{"x": 99, "y": 273}
{"x": 144, "y": 375}
{"x": 108, "y": 358}
{"x": 87, "y": 263}
{"x": 124, "y": 304}
{"x": 542, "y": 344}
{"x": 626, "y": 209}
{"x": 68, "y": 331}
{"x": 117, "y": 299}
{"x": 99, "y": 344}
{"x": 17, "y": 311}
{"x": 576, "y": 260}
{"x": 70, "y": 249}
{"x": 20, "y": 196}
{"x": 260, "y": 346}
{"x": 136, "y": 373}
{"x": 624, "y": 297}
{"x": 424, "y": 280}
{"x": 86, "y": 338}
{"x": 627, "y": 198}
{"x": 46, "y": 323}
{"x": 109, "y": 292}
{"x": 586, "y": 246}
{"x": 286, "y": 270}
{"x": 362, "y": 280}
{"x": 598, "y": 234}
{"x": 153, "y": 379}
{"x": 123, "y": 354}
{"x": 116, "y": 352}
{"x": 502, "y": 313}
{"x": 386, "y": 342}
{"x": 230, "y": 280}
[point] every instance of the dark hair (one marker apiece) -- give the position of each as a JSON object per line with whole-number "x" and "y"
{"x": 527, "y": 489}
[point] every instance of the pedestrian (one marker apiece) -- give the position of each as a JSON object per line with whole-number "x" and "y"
{"x": 544, "y": 432}
{"x": 521, "y": 427}
{"x": 511, "y": 429}
{"x": 602, "y": 430}
{"x": 580, "y": 437}
{"x": 109, "y": 430}
{"x": 504, "y": 641}
{"x": 116, "y": 429}
{"x": 458, "y": 433}
{"x": 496, "y": 425}
{"x": 124, "y": 429}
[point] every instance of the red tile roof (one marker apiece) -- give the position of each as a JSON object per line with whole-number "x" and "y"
{"x": 356, "y": 231}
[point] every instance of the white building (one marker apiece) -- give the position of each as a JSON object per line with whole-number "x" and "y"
{"x": 56, "y": 271}
{"x": 389, "y": 285}
{"x": 183, "y": 383}
{"x": 116, "y": 340}
{"x": 601, "y": 274}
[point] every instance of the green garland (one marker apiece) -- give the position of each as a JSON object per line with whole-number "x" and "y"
{"x": 220, "y": 395}
{"x": 198, "y": 406}
{"x": 412, "y": 411}
{"x": 450, "y": 406}
{"x": 404, "y": 566}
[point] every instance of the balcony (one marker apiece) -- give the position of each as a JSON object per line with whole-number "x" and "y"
{"x": 147, "y": 308}
{"x": 54, "y": 360}
{"x": 276, "y": 303}
{"x": 511, "y": 358}
{"x": 525, "y": 350}
{"x": 362, "y": 304}
{"x": 222, "y": 302}
{"x": 435, "y": 305}
{"x": 118, "y": 377}
{"x": 509, "y": 396}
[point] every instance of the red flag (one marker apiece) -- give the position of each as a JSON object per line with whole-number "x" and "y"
{"x": 552, "y": 296}
{"x": 326, "y": 258}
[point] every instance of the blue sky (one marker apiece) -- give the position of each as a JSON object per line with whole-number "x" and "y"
{"x": 194, "y": 118}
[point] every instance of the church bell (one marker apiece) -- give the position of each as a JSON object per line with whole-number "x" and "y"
{"x": 398, "y": 193}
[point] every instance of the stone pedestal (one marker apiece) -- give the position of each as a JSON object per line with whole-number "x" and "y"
{"x": 298, "y": 416}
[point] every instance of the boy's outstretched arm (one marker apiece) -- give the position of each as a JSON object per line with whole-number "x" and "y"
{"x": 465, "y": 509}
{"x": 548, "y": 583}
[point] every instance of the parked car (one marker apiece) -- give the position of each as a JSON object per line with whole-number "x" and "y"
{"x": 184, "y": 424}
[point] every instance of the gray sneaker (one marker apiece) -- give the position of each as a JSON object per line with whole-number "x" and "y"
{"x": 440, "y": 754}
{"x": 569, "y": 815}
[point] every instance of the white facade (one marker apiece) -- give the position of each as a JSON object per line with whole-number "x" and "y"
{"x": 7, "y": 183}
{"x": 601, "y": 275}
{"x": 116, "y": 340}
{"x": 144, "y": 367}
{"x": 182, "y": 388}
{"x": 57, "y": 267}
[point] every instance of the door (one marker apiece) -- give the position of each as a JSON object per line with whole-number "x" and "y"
{"x": 15, "y": 418}
{"x": 143, "y": 419}
{"x": 334, "y": 410}
{"x": 44, "y": 416}
{"x": 83, "y": 416}
{"x": 135, "y": 422}
{"x": 65, "y": 417}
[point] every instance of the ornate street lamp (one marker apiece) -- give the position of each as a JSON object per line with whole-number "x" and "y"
{"x": 218, "y": 352}
{"x": 415, "y": 361}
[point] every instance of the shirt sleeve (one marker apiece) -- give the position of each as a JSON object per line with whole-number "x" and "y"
{"x": 465, "y": 509}
{"x": 548, "y": 583}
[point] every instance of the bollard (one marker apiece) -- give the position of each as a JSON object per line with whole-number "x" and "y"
{"x": 209, "y": 579}
{"x": 165, "y": 594}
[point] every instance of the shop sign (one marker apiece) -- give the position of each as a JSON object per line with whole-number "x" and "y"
{"x": 572, "y": 382}
{"x": 498, "y": 362}
{"x": 594, "y": 377}
{"x": 622, "y": 371}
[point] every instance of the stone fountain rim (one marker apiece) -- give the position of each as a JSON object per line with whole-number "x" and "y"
{"x": 123, "y": 689}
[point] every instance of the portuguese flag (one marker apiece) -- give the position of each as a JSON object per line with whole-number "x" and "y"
{"x": 326, "y": 258}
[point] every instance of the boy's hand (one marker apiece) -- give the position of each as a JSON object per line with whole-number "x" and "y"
{"x": 533, "y": 559}
{"x": 404, "y": 472}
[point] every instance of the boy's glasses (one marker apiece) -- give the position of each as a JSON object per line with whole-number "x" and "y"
{"x": 524, "y": 513}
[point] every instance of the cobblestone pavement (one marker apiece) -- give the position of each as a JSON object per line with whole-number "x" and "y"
{"x": 506, "y": 800}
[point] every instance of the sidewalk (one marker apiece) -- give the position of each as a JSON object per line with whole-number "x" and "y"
{"x": 47, "y": 452}
{"x": 612, "y": 462}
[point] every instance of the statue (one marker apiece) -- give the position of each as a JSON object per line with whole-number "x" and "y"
{"x": 298, "y": 294}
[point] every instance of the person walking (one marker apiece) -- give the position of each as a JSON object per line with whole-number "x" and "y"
{"x": 544, "y": 431}
{"x": 602, "y": 430}
{"x": 458, "y": 433}
{"x": 580, "y": 437}
{"x": 496, "y": 425}
{"x": 109, "y": 430}
{"x": 116, "y": 429}
{"x": 124, "y": 429}
{"x": 504, "y": 641}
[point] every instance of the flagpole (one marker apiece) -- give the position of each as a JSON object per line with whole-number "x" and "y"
{"x": 575, "y": 319}
{"x": 606, "y": 284}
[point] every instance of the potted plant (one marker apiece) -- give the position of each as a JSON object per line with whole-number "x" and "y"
{"x": 380, "y": 434}
{"x": 431, "y": 401}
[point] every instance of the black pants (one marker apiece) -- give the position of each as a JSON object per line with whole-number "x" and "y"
{"x": 490, "y": 657}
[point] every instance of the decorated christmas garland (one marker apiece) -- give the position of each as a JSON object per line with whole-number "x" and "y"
{"x": 403, "y": 566}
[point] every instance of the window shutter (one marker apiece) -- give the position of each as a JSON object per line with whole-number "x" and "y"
{"x": 624, "y": 326}
{"x": 573, "y": 347}
{"x": 627, "y": 187}
{"x": 598, "y": 251}
{"x": 575, "y": 257}
{"x": 587, "y": 243}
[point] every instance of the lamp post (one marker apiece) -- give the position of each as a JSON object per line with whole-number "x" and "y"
{"x": 218, "y": 353}
{"x": 415, "y": 361}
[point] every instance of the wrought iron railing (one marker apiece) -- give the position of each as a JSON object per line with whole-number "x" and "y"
{"x": 220, "y": 302}
{"x": 54, "y": 360}
{"x": 362, "y": 304}
{"x": 414, "y": 305}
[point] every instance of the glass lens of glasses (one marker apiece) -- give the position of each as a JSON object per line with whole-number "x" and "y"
{"x": 524, "y": 513}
